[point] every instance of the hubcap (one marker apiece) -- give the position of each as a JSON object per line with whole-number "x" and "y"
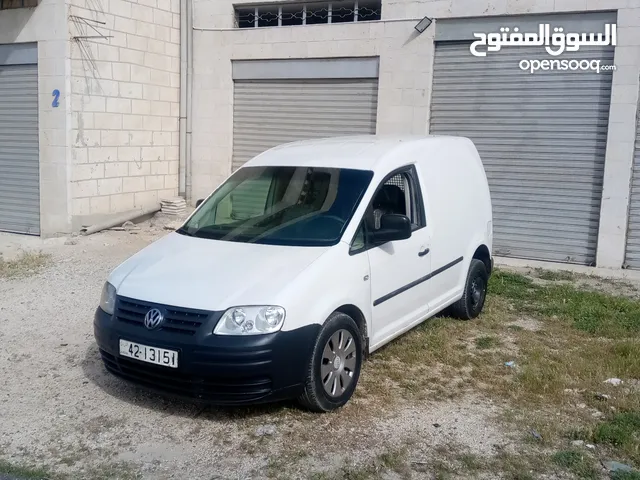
{"x": 338, "y": 363}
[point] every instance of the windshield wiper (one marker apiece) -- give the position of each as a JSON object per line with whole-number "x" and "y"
{"x": 184, "y": 231}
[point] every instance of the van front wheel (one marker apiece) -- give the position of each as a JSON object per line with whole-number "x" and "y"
{"x": 334, "y": 367}
{"x": 475, "y": 292}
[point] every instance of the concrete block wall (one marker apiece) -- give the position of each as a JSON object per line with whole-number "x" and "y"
{"x": 124, "y": 105}
{"x": 47, "y": 26}
{"x": 406, "y": 61}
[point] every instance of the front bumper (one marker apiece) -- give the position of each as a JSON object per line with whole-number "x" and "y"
{"x": 216, "y": 369}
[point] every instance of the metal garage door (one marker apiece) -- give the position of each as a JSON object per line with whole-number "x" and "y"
{"x": 19, "y": 159}
{"x": 280, "y": 101}
{"x": 542, "y": 138}
{"x": 633, "y": 237}
{"x": 271, "y": 112}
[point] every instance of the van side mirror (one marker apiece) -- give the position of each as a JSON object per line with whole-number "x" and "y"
{"x": 392, "y": 227}
{"x": 198, "y": 202}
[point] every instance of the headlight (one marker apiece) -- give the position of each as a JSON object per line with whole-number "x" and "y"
{"x": 250, "y": 320}
{"x": 108, "y": 298}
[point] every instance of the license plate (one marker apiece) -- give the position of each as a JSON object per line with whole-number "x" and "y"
{"x": 145, "y": 353}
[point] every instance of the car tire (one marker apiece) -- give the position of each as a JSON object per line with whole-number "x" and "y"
{"x": 334, "y": 366}
{"x": 474, "y": 294}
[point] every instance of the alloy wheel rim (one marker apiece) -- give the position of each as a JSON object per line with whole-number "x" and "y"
{"x": 339, "y": 359}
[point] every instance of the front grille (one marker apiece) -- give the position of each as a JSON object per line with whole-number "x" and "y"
{"x": 222, "y": 389}
{"x": 183, "y": 321}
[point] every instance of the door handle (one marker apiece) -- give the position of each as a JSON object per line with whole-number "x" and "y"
{"x": 423, "y": 252}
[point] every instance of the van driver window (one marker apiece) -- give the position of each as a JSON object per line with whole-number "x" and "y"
{"x": 397, "y": 195}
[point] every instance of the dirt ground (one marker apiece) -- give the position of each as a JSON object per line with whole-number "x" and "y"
{"x": 61, "y": 411}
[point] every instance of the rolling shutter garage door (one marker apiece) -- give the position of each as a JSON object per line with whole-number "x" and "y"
{"x": 542, "y": 138}
{"x": 272, "y": 111}
{"x": 19, "y": 158}
{"x": 633, "y": 236}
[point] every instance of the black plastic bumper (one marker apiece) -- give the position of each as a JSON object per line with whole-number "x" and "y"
{"x": 216, "y": 369}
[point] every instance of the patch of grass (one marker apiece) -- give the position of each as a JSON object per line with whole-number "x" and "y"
{"x": 576, "y": 462}
{"x": 486, "y": 342}
{"x": 625, "y": 476}
{"x": 581, "y": 338}
{"x": 621, "y": 430}
{"x": 595, "y": 313}
{"x": 28, "y": 263}
{"x": 471, "y": 462}
{"x": 23, "y": 472}
{"x": 113, "y": 471}
{"x": 518, "y": 467}
{"x": 554, "y": 275}
{"x": 442, "y": 471}
{"x": 572, "y": 349}
{"x": 391, "y": 460}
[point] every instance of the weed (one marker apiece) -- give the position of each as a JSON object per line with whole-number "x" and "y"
{"x": 26, "y": 264}
{"x": 576, "y": 463}
{"x": 625, "y": 476}
{"x": 114, "y": 471}
{"x": 554, "y": 275}
{"x": 487, "y": 342}
{"x": 620, "y": 431}
{"x": 442, "y": 470}
{"x": 389, "y": 460}
{"x": 471, "y": 462}
{"x": 518, "y": 467}
{"x": 23, "y": 472}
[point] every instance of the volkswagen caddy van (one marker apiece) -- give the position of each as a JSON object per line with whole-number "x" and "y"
{"x": 309, "y": 257}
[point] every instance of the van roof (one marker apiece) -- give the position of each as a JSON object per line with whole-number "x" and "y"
{"x": 365, "y": 152}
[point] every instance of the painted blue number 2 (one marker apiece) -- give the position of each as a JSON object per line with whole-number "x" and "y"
{"x": 56, "y": 97}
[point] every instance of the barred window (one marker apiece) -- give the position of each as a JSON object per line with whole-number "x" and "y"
{"x": 7, "y": 4}
{"x": 341, "y": 11}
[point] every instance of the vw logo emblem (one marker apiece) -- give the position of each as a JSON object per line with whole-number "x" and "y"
{"x": 153, "y": 319}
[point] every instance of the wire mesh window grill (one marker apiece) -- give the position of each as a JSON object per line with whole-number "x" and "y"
{"x": 312, "y": 13}
{"x": 397, "y": 180}
{"x": 8, "y": 4}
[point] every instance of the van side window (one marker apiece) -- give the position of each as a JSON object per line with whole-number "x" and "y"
{"x": 400, "y": 194}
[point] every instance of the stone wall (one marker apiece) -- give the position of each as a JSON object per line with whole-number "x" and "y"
{"x": 124, "y": 104}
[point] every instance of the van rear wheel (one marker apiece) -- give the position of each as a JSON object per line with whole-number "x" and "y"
{"x": 334, "y": 366}
{"x": 475, "y": 292}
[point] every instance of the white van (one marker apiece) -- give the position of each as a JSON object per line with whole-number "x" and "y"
{"x": 309, "y": 257}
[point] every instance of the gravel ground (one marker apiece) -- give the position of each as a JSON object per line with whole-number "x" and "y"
{"x": 60, "y": 409}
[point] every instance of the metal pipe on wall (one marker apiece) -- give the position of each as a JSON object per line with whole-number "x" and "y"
{"x": 183, "y": 99}
{"x": 189, "y": 81}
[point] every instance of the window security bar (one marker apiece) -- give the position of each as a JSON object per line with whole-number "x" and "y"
{"x": 270, "y": 15}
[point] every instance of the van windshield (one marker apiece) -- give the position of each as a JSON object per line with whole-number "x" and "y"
{"x": 295, "y": 206}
